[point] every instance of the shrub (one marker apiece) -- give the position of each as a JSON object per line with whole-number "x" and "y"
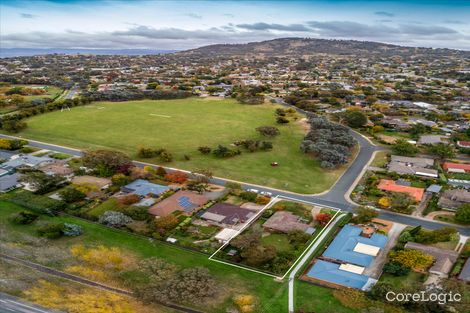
{"x": 233, "y": 186}
{"x": 72, "y": 230}
{"x": 413, "y": 259}
{"x": 160, "y": 171}
{"x": 262, "y": 200}
{"x": 282, "y": 120}
{"x": 249, "y": 196}
{"x": 138, "y": 213}
{"x": 463, "y": 214}
{"x": 177, "y": 177}
{"x": 71, "y": 194}
{"x": 37, "y": 203}
{"x": 384, "y": 202}
{"x": 114, "y": 219}
{"x": 51, "y": 230}
{"x": 24, "y": 217}
{"x": 204, "y": 150}
{"x": 129, "y": 199}
{"x": 323, "y": 218}
{"x": 268, "y": 131}
{"x": 395, "y": 269}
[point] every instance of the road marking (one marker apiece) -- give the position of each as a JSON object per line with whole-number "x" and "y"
{"x": 159, "y": 115}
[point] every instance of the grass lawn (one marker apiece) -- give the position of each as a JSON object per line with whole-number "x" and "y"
{"x": 181, "y": 126}
{"x": 311, "y": 298}
{"x": 380, "y": 159}
{"x": 411, "y": 280}
{"x": 280, "y": 241}
{"x": 272, "y": 295}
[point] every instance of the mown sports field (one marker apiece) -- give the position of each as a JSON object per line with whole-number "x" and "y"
{"x": 181, "y": 126}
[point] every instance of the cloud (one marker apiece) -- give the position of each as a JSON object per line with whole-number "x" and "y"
{"x": 228, "y": 15}
{"x": 384, "y": 13}
{"x": 194, "y": 15}
{"x": 144, "y": 36}
{"x": 279, "y": 27}
{"x": 27, "y": 15}
{"x": 455, "y": 22}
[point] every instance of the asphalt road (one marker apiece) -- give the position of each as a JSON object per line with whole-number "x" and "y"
{"x": 10, "y": 304}
{"x": 334, "y": 198}
{"x": 71, "y": 93}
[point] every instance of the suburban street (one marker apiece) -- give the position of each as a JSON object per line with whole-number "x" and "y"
{"x": 10, "y": 304}
{"x": 334, "y": 198}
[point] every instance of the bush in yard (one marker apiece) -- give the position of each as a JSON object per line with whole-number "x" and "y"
{"x": 129, "y": 199}
{"x": 138, "y": 213}
{"x": 166, "y": 156}
{"x": 71, "y": 194}
{"x": 114, "y": 219}
{"x": 249, "y": 196}
{"x": 158, "y": 270}
{"x": 405, "y": 237}
{"x": 166, "y": 223}
{"x": 396, "y": 269}
{"x": 413, "y": 259}
{"x": 23, "y": 217}
{"x": 262, "y": 200}
{"x": 434, "y": 236}
{"x": 401, "y": 202}
{"x": 384, "y": 202}
{"x": 176, "y": 177}
{"x": 72, "y": 230}
{"x": 12, "y": 144}
{"x": 224, "y": 152}
{"x": 51, "y": 230}
{"x": 120, "y": 179}
{"x": 364, "y": 215}
{"x": 41, "y": 182}
{"x": 160, "y": 171}
{"x": 404, "y": 148}
{"x": 463, "y": 214}
{"x": 323, "y": 218}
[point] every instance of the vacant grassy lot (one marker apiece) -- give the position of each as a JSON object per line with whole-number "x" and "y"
{"x": 181, "y": 126}
{"x": 272, "y": 295}
{"x": 51, "y": 91}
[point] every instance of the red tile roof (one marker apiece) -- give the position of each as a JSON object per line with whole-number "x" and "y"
{"x": 390, "y": 185}
{"x": 460, "y": 166}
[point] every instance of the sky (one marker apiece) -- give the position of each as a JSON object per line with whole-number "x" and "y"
{"x": 177, "y": 25}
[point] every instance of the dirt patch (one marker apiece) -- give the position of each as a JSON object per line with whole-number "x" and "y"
{"x": 305, "y": 125}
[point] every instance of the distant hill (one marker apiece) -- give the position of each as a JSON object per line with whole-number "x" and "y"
{"x": 16, "y": 52}
{"x": 309, "y": 46}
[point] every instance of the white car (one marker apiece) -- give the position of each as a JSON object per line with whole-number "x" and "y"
{"x": 253, "y": 190}
{"x": 265, "y": 193}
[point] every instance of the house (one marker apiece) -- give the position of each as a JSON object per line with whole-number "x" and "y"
{"x": 412, "y": 165}
{"x": 284, "y": 222}
{"x": 143, "y": 188}
{"x": 465, "y": 272}
{"x": 225, "y": 235}
{"x": 56, "y": 168}
{"x": 432, "y": 139}
{"x": 183, "y": 200}
{"x": 98, "y": 182}
{"x": 463, "y": 144}
{"x": 345, "y": 260}
{"x": 390, "y": 185}
{"x": 227, "y": 214}
{"x": 443, "y": 259}
{"x": 456, "y": 167}
{"x": 25, "y": 161}
{"x": 453, "y": 199}
{"x": 9, "y": 182}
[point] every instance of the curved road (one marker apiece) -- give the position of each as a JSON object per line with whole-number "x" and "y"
{"x": 334, "y": 198}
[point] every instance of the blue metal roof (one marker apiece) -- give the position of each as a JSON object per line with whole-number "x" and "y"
{"x": 343, "y": 245}
{"x": 142, "y": 187}
{"x": 330, "y": 272}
